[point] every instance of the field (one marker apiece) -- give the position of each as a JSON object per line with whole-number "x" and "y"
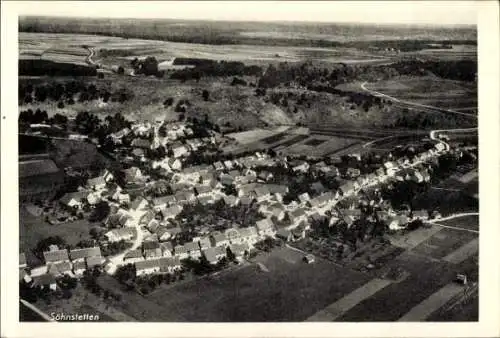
{"x": 33, "y": 229}
{"x": 399, "y": 298}
{"x": 430, "y": 90}
{"x": 248, "y": 294}
{"x": 443, "y": 243}
{"x": 116, "y": 50}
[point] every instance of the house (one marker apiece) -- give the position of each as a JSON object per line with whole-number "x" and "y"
{"x": 397, "y": 222}
{"x": 60, "y": 269}
{"x": 228, "y": 164}
{"x": 79, "y": 268}
{"x": 185, "y": 196}
{"x": 219, "y": 166}
{"x": 422, "y": 215}
{"x": 284, "y": 234}
{"x": 94, "y": 261}
{"x": 147, "y": 267}
{"x": 140, "y": 203}
{"x": 347, "y": 188}
{"x": 119, "y": 219}
{"x": 239, "y": 250}
{"x": 219, "y": 239}
{"x": 299, "y": 166}
{"x": 55, "y": 256}
{"x": 353, "y": 172}
{"x": 214, "y": 254}
{"x": 203, "y": 190}
{"x": 193, "y": 249}
{"x": 277, "y": 190}
{"x": 171, "y": 212}
{"x": 249, "y": 235}
{"x": 265, "y": 227}
{"x": 121, "y": 197}
{"x": 97, "y": 183}
{"x": 166, "y": 249}
{"x": 371, "y": 178}
{"x": 73, "y": 199}
{"x": 416, "y": 176}
{"x": 117, "y": 235}
{"x": 304, "y": 198}
{"x": 174, "y": 164}
{"x": 141, "y": 143}
{"x": 265, "y": 176}
{"x": 181, "y": 252}
{"x": 45, "y": 281}
{"x": 233, "y": 236}
{"x": 380, "y": 172}
{"x": 151, "y": 238}
{"x": 180, "y": 151}
{"x": 169, "y": 264}
{"x": 230, "y": 200}
{"x": 133, "y": 256}
{"x": 318, "y": 188}
{"x": 296, "y": 216}
{"x": 204, "y": 243}
{"x": 22, "y": 260}
{"x": 440, "y": 147}
{"x": 261, "y": 193}
{"x": 132, "y": 174}
{"x": 361, "y": 181}
{"x": 391, "y": 167}
{"x": 163, "y": 202}
{"x": 93, "y": 198}
{"x": 81, "y": 254}
{"x": 151, "y": 249}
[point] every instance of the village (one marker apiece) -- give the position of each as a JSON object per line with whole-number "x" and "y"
{"x": 158, "y": 214}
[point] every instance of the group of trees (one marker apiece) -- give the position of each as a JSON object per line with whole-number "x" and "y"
{"x": 67, "y": 93}
{"x": 309, "y": 75}
{"x": 147, "y": 66}
{"x": 209, "y": 68}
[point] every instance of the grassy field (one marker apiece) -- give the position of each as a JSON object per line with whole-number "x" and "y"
{"x": 249, "y": 294}
{"x": 443, "y": 243}
{"x": 395, "y": 300}
{"x": 33, "y": 229}
{"x": 431, "y": 91}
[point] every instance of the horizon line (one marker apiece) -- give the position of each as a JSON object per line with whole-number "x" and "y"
{"x": 283, "y": 21}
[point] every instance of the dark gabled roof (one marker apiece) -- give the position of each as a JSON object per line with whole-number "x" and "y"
{"x": 133, "y": 254}
{"x": 85, "y": 252}
{"x": 94, "y": 261}
{"x": 56, "y": 255}
{"x": 37, "y": 168}
{"x": 44, "y": 280}
{"x": 150, "y": 245}
{"x": 147, "y": 264}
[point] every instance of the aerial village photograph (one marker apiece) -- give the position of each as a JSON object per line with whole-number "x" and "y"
{"x": 216, "y": 169}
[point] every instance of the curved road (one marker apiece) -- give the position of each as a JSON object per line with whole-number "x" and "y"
{"x": 379, "y": 94}
{"x": 118, "y": 259}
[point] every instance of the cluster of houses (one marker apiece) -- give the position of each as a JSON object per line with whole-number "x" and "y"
{"x": 251, "y": 184}
{"x": 59, "y": 262}
{"x": 156, "y": 256}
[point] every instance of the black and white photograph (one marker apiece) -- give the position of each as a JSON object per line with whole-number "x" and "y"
{"x": 248, "y": 162}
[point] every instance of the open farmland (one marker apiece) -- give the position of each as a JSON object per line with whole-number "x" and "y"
{"x": 249, "y": 294}
{"x": 430, "y": 90}
{"x": 116, "y": 50}
{"x": 399, "y": 298}
{"x": 444, "y": 243}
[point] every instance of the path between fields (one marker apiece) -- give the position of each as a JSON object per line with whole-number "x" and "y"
{"x": 465, "y": 214}
{"x": 376, "y": 93}
{"x": 434, "y": 302}
{"x": 344, "y": 304}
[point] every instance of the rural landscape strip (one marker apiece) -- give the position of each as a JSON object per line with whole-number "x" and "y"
{"x": 337, "y": 309}
{"x": 464, "y": 252}
{"x": 432, "y": 303}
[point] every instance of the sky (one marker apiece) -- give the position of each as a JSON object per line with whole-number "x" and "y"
{"x": 381, "y": 12}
